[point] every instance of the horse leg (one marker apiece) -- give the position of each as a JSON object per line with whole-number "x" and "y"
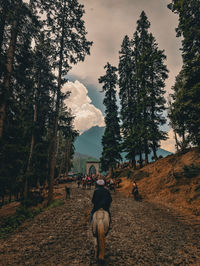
{"x": 101, "y": 241}
{"x": 95, "y": 248}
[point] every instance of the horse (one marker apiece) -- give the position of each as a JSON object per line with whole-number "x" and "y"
{"x": 100, "y": 227}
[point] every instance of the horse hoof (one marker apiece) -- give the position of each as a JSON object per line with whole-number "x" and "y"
{"x": 101, "y": 262}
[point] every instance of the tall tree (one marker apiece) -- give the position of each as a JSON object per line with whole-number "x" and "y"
{"x": 188, "y": 28}
{"x": 70, "y": 46}
{"x": 156, "y": 104}
{"x": 142, "y": 74}
{"x": 20, "y": 19}
{"x": 111, "y": 138}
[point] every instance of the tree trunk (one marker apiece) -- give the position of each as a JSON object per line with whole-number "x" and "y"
{"x": 9, "y": 68}
{"x": 53, "y": 155}
{"x": 67, "y": 156}
{"x": 176, "y": 140}
{"x": 26, "y": 187}
{"x": 111, "y": 171}
{"x": 146, "y": 153}
{"x": 140, "y": 160}
{"x": 2, "y": 24}
{"x": 154, "y": 152}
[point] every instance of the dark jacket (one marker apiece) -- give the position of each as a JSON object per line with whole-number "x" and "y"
{"x": 101, "y": 199}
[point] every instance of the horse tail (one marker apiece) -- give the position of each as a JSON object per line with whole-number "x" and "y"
{"x": 101, "y": 240}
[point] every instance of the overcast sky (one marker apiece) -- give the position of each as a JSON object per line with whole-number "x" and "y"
{"x": 107, "y": 22}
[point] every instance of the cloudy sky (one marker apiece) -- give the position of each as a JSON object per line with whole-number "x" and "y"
{"x": 107, "y": 22}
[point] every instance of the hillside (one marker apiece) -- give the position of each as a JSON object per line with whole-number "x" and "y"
{"x": 173, "y": 181}
{"x": 89, "y": 143}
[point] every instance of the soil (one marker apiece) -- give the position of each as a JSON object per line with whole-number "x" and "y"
{"x": 166, "y": 181}
{"x": 143, "y": 233}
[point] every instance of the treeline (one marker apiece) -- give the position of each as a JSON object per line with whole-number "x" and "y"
{"x": 184, "y": 110}
{"x": 39, "y": 43}
{"x": 141, "y": 80}
{"x": 141, "y": 77}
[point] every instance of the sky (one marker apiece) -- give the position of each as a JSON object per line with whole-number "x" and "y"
{"x": 107, "y": 22}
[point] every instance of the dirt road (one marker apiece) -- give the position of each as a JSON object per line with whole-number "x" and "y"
{"x": 142, "y": 234}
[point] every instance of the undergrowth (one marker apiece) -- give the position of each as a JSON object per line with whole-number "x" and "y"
{"x": 10, "y": 224}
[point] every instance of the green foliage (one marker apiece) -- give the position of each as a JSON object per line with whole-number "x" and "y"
{"x": 55, "y": 204}
{"x": 31, "y": 48}
{"x": 11, "y": 223}
{"x": 186, "y": 97}
{"x": 191, "y": 170}
{"x": 34, "y": 199}
{"x": 111, "y": 138}
{"x": 142, "y": 74}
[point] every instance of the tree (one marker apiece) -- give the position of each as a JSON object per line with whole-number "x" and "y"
{"x": 188, "y": 28}
{"x": 70, "y": 46}
{"x": 19, "y": 21}
{"x": 176, "y": 113}
{"x": 66, "y": 139}
{"x": 157, "y": 76}
{"x": 111, "y": 138}
{"x": 141, "y": 80}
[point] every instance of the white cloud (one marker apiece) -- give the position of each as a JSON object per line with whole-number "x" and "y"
{"x": 87, "y": 115}
{"x": 169, "y": 144}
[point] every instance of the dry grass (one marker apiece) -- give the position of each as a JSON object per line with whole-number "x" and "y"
{"x": 166, "y": 181}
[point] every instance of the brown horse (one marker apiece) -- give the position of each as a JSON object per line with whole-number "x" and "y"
{"x": 100, "y": 226}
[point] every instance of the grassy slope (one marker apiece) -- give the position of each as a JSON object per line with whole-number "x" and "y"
{"x": 173, "y": 181}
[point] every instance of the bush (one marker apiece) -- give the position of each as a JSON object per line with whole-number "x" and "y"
{"x": 191, "y": 170}
{"x": 55, "y": 203}
{"x": 10, "y": 224}
{"x": 34, "y": 199}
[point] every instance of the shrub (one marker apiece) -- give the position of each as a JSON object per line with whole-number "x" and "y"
{"x": 191, "y": 170}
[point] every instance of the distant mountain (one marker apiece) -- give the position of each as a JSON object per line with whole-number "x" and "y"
{"x": 89, "y": 143}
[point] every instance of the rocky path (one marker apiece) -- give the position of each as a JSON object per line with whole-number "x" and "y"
{"x": 142, "y": 234}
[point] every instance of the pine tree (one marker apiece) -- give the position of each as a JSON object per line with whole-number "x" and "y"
{"x": 142, "y": 74}
{"x": 176, "y": 113}
{"x": 127, "y": 95}
{"x": 156, "y": 83}
{"x": 21, "y": 20}
{"x": 188, "y": 28}
{"x": 111, "y": 138}
{"x": 70, "y": 47}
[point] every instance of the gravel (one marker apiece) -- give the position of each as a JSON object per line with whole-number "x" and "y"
{"x": 142, "y": 233}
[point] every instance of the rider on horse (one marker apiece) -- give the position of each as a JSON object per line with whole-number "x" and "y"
{"x": 101, "y": 198}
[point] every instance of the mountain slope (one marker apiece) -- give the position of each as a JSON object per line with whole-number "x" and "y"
{"x": 173, "y": 181}
{"x": 89, "y": 143}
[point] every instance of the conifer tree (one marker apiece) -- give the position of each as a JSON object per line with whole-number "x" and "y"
{"x": 188, "y": 28}
{"x": 142, "y": 74}
{"x": 70, "y": 46}
{"x": 21, "y": 20}
{"x": 156, "y": 103}
{"x": 111, "y": 138}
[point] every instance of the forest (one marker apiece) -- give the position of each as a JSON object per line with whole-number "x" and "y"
{"x": 40, "y": 41}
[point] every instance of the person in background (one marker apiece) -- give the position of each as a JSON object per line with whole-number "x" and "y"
{"x": 135, "y": 190}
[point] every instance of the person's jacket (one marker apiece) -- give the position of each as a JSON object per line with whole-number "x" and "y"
{"x": 101, "y": 199}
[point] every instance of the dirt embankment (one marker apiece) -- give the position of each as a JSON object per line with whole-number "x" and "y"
{"x": 173, "y": 181}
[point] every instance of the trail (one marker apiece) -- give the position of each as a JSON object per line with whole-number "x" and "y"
{"x": 142, "y": 234}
